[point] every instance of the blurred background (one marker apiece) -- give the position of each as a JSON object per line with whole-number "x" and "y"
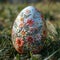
{"x": 9, "y": 9}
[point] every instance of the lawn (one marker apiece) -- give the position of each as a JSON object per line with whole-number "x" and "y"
{"x": 9, "y": 12}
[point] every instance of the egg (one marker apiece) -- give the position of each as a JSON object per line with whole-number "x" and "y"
{"x": 28, "y": 31}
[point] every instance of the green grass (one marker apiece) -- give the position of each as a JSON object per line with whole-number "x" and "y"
{"x": 8, "y": 13}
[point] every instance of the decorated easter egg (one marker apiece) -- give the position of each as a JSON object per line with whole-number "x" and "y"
{"x": 28, "y": 31}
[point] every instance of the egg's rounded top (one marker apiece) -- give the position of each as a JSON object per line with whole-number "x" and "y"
{"x": 28, "y": 30}
{"x": 31, "y": 8}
